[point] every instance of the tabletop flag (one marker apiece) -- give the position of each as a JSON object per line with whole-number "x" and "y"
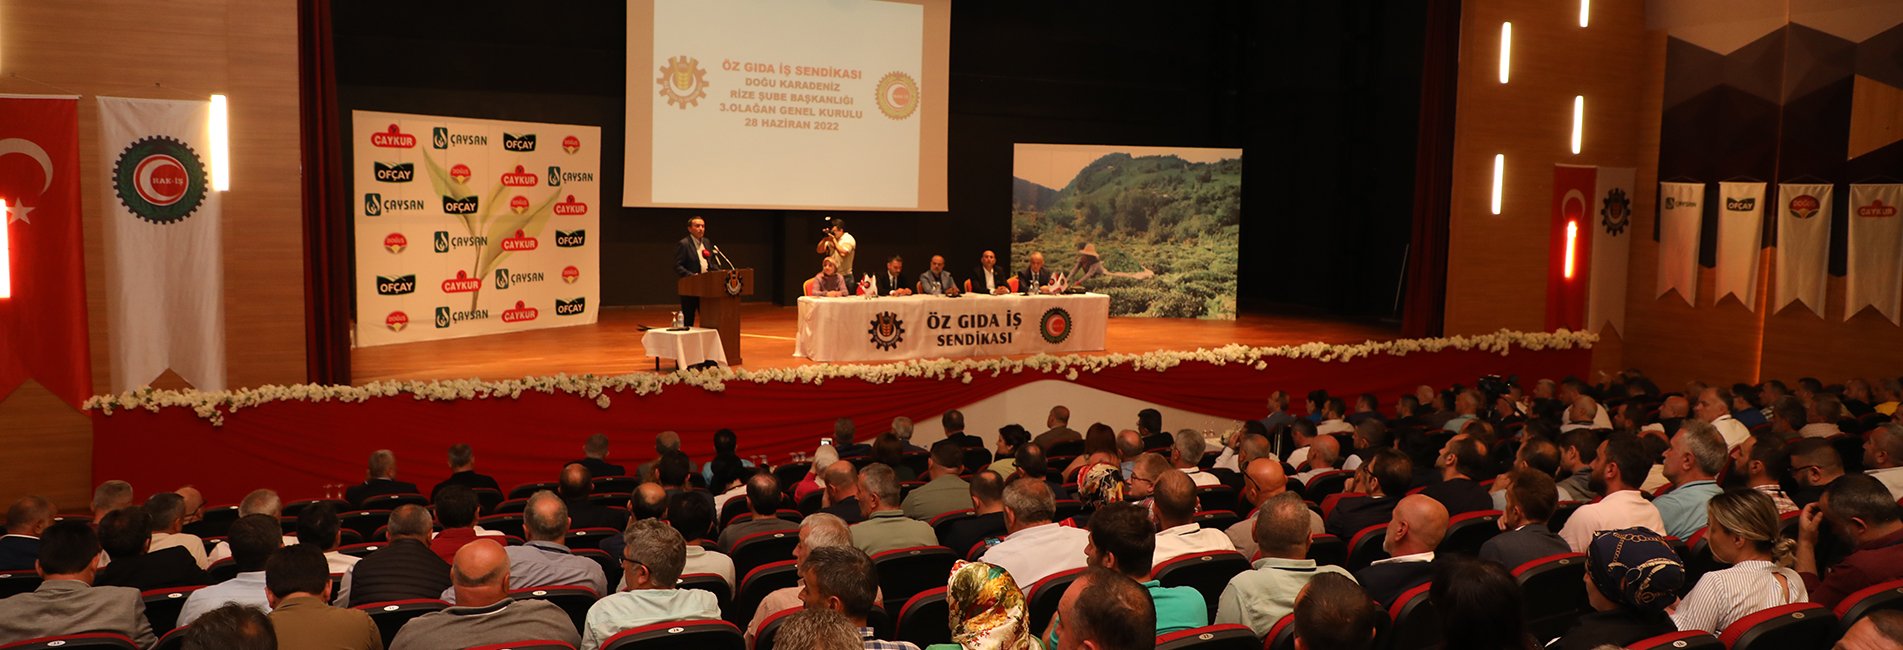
{"x": 1875, "y": 276}
{"x": 1803, "y": 245}
{"x": 164, "y": 279}
{"x": 43, "y": 325}
{"x": 1681, "y": 213}
{"x": 1610, "y": 221}
{"x": 1740, "y": 239}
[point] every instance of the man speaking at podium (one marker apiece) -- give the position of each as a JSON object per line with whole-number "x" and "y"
{"x": 696, "y": 255}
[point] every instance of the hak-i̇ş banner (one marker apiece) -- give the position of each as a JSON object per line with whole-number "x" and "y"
{"x": 1681, "y": 212}
{"x": 467, "y": 227}
{"x": 1875, "y": 273}
{"x": 1803, "y": 245}
{"x": 1610, "y": 221}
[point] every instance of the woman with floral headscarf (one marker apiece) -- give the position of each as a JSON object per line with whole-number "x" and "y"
{"x": 987, "y": 610}
{"x": 1632, "y": 576}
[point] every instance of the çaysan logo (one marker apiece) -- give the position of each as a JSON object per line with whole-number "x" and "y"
{"x": 520, "y": 313}
{"x": 396, "y": 286}
{"x": 897, "y": 95}
{"x": 1672, "y": 203}
{"x": 554, "y": 176}
{"x": 444, "y": 242}
{"x": 462, "y": 283}
{"x": 683, "y": 82}
{"x": 570, "y": 274}
{"x": 439, "y": 138}
{"x": 460, "y": 172}
{"x": 1740, "y": 205}
{"x": 520, "y": 242}
{"x": 160, "y": 180}
{"x": 1804, "y": 206}
{"x": 396, "y": 321}
{"x": 571, "y": 144}
{"x": 513, "y": 142}
{"x": 393, "y": 172}
{"x": 519, "y": 204}
{"x": 374, "y": 205}
{"x": 395, "y": 242}
{"x": 571, "y": 207}
{"x": 505, "y": 279}
{"x": 519, "y": 178}
{"x": 462, "y": 205}
{"x": 571, "y": 238}
{"x": 571, "y": 307}
{"x": 393, "y": 138}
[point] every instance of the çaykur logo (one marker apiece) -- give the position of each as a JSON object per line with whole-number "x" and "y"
{"x": 520, "y": 242}
{"x": 393, "y": 172}
{"x": 513, "y": 142}
{"x": 1876, "y": 209}
{"x": 374, "y": 205}
{"x": 571, "y": 307}
{"x": 396, "y": 285}
{"x": 570, "y": 207}
{"x": 571, "y": 238}
{"x": 442, "y": 138}
{"x": 505, "y": 279}
{"x": 393, "y": 138}
{"x": 444, "y": 242}
{"x": 519, "y": 178}
{"x": 521, "y": 313}
{"x": 462, "y": 283}
{"x": 395, "y": 242}
{"x": 445, "y": 317}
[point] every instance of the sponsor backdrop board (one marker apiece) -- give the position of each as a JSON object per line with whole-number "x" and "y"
{"x": 468, "y": 227}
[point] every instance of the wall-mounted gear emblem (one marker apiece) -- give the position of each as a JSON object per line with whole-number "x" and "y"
{"x": 1616, "y": 212}
{"x": 683, "y": 82}
{"x": 159, "y": 179}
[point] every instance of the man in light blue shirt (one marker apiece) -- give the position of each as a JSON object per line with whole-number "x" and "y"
{"x": 1696, "y": 456}
{"x": 1123, "y": 539}
{"x": 252, "y": 538}
{"x": 545, "y": 561}
{"x": 652, "y": 564}
{"x": 1261, "y": 596}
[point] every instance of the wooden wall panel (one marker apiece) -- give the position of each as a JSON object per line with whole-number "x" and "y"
{"x": 178, "y": 49}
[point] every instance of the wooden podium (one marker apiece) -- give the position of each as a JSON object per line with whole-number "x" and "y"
{"x": 720, "y": 293}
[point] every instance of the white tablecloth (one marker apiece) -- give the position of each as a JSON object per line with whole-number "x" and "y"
{"x": 685, "y": 348}
{"x": 931, "y": 327}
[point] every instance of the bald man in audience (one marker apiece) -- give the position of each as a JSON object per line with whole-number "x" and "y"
{"x": 484, "y": 613}
{"x": 1418, "y": 526}
{"x": 1264, "y": 480}
{"x": 1129, "y": 447}
{"x": 195, "y": 504}
{"x": 403, "y": 569}
{"x": 1883, "y": 455}
{"x": 1175, "y": 515}
{"x": 1324, "y": 455}
{"x": 545, "y": 560}
{"x": 1060, "y": 431}
{"x": 842, "y": 491}
{"x": 1263, "y": 595}
{"x": 26, "y": 518}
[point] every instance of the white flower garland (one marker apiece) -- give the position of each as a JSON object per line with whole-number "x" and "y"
{"x": 214, "y": 406}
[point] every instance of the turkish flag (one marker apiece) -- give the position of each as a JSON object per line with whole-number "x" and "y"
{"x": 43, "y": 324}
{"x": 1573, "y": 191}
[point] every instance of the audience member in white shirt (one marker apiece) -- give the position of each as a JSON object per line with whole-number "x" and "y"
{"x": 1035, "y": 547}
{"x": 1302, "y": 432}
{"x": 1825, "y": 411}
{"x": 1175, "y": 516}
{"x": 1621, "y": 459}
{"x": 1186, "y": 452}
{"x": 1324, "y": 454}
{"x": 1333, "y": 412}
{"x": 1743, "y": 532}
{"x": 167, "y": 510}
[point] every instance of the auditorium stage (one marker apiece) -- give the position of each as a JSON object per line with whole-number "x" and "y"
{"x": 612, "y": 346}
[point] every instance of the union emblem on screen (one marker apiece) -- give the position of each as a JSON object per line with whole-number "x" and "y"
{"x": 683, "y": 82}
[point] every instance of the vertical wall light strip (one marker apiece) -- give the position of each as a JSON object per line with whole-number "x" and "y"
{"x": 220, "y": 144}
{"x": 1506, "y": 49}
{"x": 6, "y": 253}
{"x": 1579, "y": 121}
{"x": 1585, "y": 12}
{"x": 1572, "y": 245}
{"x": 1499, "y": 178}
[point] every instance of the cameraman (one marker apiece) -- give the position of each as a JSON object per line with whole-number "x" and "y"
{"x": 838, "y": 246}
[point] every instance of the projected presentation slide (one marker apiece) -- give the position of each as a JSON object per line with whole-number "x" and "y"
{"x": 791, "y": 104}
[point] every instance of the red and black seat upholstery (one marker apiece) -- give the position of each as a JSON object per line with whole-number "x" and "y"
{"x": 215, "y": 521}
{"x": 162, "y": 607}
{"x": 1328, "y": 503}
{"x": 1210, "y": 637}
{"x": 295, "y": 508}
{"x": 1366, "y": 547}
{"x": 1698, "y": 560}
{"x": 1555, "y": 597}
{"x": 391, "y": 501}
{"x": 173, "y": 640}
{"x": 222, "y": 570}
{"x": 1467, "y": 531}
{"x": 1682, "y": 640}
{"x": 707, "y": 634}
{"x": 768, "y": 635}
{"x": 361, "y": 550}
{"x": 610, "y": 565}
{"x": 711, "y": 583}
{"x": 1327, "y": 550}
{"x": 487, "y": 499}
{"x": 762, "y": 548}
{"x": 1877, "y": 597}
{"x": 907, "y": 572}
{"x": 87, "y": 641}
{"x": 812, "y": 502}
{"x": 532, "y": 644}
{"x": 524, "y": 490}
{"x": 1798, "y": 626}
{"x": 507, "y": 524}
{"x": 1217, "y": 519}
{"x": 1281, "y": 635}
{"x": 588, "y": 537}
{"x": 1208, "y": 573}
{"x": 922, "y": 619}
{"x": 613, "y": 484}
{"x": 19, "y": 582}
{"x": 390, "y": 616}
{"x": 1216, "y": 497}
{"x": 1042, "y": 598}
{"x": 364, "y": 521}
{"x": 756, "y": 584}
{"x": 574, "y": 600}
{"x": 1415, "y": 624}
{"x": 1561, "y": 513}
{"x": 944, "y": 520}
{"x": 1326, "y": 483}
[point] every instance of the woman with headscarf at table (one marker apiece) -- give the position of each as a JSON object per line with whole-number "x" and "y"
{"x": 987, "y": 610}
{"x": 829, "y": 282}
{"x": 1632, "y": 576}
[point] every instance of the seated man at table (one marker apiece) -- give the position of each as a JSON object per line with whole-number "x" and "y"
{"x": 1036, "y": 278}
{"x": 988, "y": 278}
{"x": 890, "y": 282}
{"x": 937, "y": 281}
{"x": 829, "y": 282}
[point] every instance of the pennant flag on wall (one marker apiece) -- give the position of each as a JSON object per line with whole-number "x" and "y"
{"x": 1740, "y": 238}
{"x": 1681, "y": 213}
{"x": 1803, "y": 245}
{"x": 165, "y": 276}
{"x": 43, "y": 323}
{"x": 1610, "y": 216}
{"x": 1874, "y": 276}
{"x": 1566, "y": 265}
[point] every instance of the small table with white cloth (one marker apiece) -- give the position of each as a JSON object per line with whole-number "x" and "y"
{"x": 888, "y": 328}
{"x": 686, "y": 348}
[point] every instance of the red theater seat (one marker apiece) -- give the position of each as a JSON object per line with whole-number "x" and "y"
{"x": 698, "y": 634}
{"x": 1798, "y": 626}
{"x": 1211, "y": 637}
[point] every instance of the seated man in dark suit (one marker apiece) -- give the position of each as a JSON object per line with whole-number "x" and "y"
{"x": 66, "y": 602}
{"x": 1035, "y": 278}
{"x": 125, "y": 534}
{"x": 26, "y": 518}
{"x": 462, "y": 471}
{"x": 595, "y": 458}
{"x": 382, "y": 480}
{"x": 763, "y": 502}
{"x": 1384, "y": 480}
{"x": 1418, "y": 526}
{"x": 987, "y": 522}
{"x": 404, "y": 569}
{"x": 582, "y": 513}
{"x": 892, "y": 281}
{"x": 842, "y": 492}
{"x": 843, "y": 432}
{"x": 988, "y": 279}
{"x": 1461, "y": 459}
{"x": 1531, "y": 499}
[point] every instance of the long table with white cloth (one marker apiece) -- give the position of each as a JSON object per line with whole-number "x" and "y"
{"x": 888, "y": 328}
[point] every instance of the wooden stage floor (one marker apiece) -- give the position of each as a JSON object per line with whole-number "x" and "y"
{"x": 612, "y": 346}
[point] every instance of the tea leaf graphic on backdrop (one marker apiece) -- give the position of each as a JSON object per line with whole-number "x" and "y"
{"x": 530, "y": 222}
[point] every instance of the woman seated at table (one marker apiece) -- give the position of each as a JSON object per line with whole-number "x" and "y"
{"x": 829, "y": 282}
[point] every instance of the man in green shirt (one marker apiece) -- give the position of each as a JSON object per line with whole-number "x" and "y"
{"x": 1122, "y": 539}
{"x": 1261, "y": 596}
{"x": 886, "y": 527}
{"x": 945, "y": 492}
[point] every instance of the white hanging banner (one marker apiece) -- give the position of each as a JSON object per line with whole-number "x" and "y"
{"x": 1803, "y": 245}
{"x": 1875, "y": 270}
{"x": 1611, "y": 248}
{"x": 1681, "y": 212}
{"x": 1740, "y": 238}
{"x": 165, "y": 269}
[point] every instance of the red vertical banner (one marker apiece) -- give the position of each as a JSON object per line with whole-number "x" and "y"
{"x": 43, "y": 322}
{"x": 1569, "y": 254}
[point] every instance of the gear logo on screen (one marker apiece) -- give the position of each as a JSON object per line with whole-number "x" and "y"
{"x": 898, "y": 95}
{"x": 683, "y": 82}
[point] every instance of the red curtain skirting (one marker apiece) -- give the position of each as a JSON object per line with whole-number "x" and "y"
{"x": 297, "y": 447}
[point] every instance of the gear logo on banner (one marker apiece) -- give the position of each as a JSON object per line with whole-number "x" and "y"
{"x": 1055, "y": 325}
{"x": 887, "y": 331}
{"x": 683, "y": 82}
{"x": 897, "y": 95}
{"x": 159, "y": 179}
{"x": 1615, "y": 213}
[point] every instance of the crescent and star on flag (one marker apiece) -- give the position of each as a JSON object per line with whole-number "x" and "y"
{"x": 17, "y": 210}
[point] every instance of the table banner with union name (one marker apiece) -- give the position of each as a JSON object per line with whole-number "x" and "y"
{"x": 466, "y": 227}
{"x": 933, "y": 327}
